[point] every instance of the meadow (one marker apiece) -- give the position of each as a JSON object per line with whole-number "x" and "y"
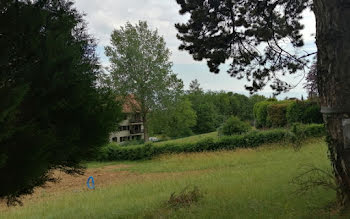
{"x": 243, "y": 183}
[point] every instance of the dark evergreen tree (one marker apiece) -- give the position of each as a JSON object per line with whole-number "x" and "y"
{"x": 221, "y": 30}
{"x": 53, "y": 113}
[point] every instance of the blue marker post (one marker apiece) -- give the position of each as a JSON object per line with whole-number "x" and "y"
{"x": 92, "y": 183}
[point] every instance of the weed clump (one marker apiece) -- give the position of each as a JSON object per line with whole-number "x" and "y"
{"x": 185, "y": 198}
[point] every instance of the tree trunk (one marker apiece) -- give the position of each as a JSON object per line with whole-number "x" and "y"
{"x": 333, "y": 69}
{"x": 145, "y": 129}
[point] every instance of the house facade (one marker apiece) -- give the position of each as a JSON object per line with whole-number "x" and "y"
{"x": 131, "y": 128}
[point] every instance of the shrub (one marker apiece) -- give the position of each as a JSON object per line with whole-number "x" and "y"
{"x": 185, "y": 198}
{"x": 252, "y": 139}
{"x": 312, "y": 114}
{"x": 234, "y": 126}
{"x": 304, "y": 112}
{"x": 276, "y": 114}
{"x": 295, "y": 112}
{"x": 303, "y": 131}
{"x": 260, "y": 113}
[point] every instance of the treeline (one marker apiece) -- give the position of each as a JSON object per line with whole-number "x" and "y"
{"x": 197, "y": 112}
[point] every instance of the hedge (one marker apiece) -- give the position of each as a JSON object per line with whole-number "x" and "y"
{"x": 304, "y": 112}
{"x": 276, "y": 114}
{"x": 260, "y": 113}
{"x": 114, "y": 152}
{"x": 286, "y": 112}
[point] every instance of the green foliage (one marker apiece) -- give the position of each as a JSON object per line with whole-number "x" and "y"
{"x": 140, "y": 66}
{"x": 287, "y": 112}
{"x": 253, "y": 139}
{"x": 313, "y": 114}
{"x": 181, "y": 119}
{"x": 304, "y": 112}
{"x": 234, "y": 126}
{"x": 53, "y": 113}
{"x": 175, "y": 121}
{"x": 260, "y": 113}
{"x": 295, "y": 112}
{"x": 276, "y": 114}
{"x": 303, "y": 131}
{"x": 224, "y": 105}
{"x": 206, "y": 116}
{"x": 243, "y": 27}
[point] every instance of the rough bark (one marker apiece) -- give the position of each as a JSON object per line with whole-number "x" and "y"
{"x": 333, "y": 42}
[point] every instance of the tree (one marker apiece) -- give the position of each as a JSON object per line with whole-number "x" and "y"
{"x": 311, "y": 82}
{"x": 177, "y": 120}
{"x": 52, "y": 113}
{"x": 250, "y": 33}
{"x": 206, "y": 116}
{"x": 181, "y": 119}
{"x": 234, "y": 126}
{"x": 195, "y": 87}
{"x": 140, "y": 67}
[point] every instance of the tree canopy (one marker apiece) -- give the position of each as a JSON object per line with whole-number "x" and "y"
{"x": 53, "y": 114}
{"x": 253, "y": 35}
{"x": 140, "y": 67}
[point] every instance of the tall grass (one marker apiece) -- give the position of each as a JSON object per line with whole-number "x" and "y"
{"x": 246, "y": 183}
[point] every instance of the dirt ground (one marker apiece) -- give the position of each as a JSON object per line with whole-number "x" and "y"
{"x": 103, "y": 176}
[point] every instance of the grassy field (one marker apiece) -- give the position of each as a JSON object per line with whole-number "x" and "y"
{"x": 190, "y": 139}
{"x": 244, "y": 183}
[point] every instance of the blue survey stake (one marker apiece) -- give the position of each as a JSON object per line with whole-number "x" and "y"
{"x": 92, "y": 183}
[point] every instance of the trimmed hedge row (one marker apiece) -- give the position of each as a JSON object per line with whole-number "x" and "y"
{"x": 286, "y": 112}
{"x": 114, "y": 152}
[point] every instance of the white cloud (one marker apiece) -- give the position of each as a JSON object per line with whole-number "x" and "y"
{"x": 105, "y": 15}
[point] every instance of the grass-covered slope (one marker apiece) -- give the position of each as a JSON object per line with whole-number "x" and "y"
{"x": 245, "y": 183}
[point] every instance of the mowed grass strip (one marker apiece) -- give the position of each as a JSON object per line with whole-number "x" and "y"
{"x": 245, "y": 183}
{"x": 190, "y": 139}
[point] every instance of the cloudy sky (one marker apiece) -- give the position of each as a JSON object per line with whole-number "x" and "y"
{"x": 103, "y": 16}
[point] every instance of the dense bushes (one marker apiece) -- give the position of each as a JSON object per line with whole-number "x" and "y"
{"x": 234, "y": 126}
{"x": 252, "y": 139}
{"x": 260, "y": 113}
{"x": 276, "y": 114}
{"x": 282, "y": 113}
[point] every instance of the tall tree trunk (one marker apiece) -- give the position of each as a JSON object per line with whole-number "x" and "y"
{"x": 333, "y": 69}
{"x": 145, "y": 129}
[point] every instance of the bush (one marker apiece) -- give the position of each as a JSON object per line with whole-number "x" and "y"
{"x": 312, "y": 114}
{"x": 304, "y": 112}
{"x": 302, "y": 131}
{"x": 276, "y": 114}
{"x": 295, "y": 112}
{"x": 234, "y": 126}
{"x": 260, "y": 113}
{"x": 253, "y": 139}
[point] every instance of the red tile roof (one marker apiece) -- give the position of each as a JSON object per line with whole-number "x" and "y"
{"x": 130, "y": 104}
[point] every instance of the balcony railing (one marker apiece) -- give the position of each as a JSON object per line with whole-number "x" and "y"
{"x": 136, "y": 131}
{"x": 135, "y": 120}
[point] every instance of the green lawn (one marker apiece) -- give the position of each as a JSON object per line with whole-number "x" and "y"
{"x": 244, "y": 183}
{"x": 190, "y": 139}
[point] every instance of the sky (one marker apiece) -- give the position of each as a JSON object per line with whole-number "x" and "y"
{"x": 103, "y": 16}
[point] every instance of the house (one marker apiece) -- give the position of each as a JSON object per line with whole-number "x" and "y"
{"x": 131, "y": 128}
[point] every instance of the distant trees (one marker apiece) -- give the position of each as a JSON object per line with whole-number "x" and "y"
{"x": 177, "y": 120}
{"x": 140, "y": 67}
{"x": 211, "y": 110}
{"x": 53, "y": 113}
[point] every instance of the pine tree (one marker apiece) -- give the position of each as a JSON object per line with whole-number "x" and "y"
{"x": 53, "y": 114}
